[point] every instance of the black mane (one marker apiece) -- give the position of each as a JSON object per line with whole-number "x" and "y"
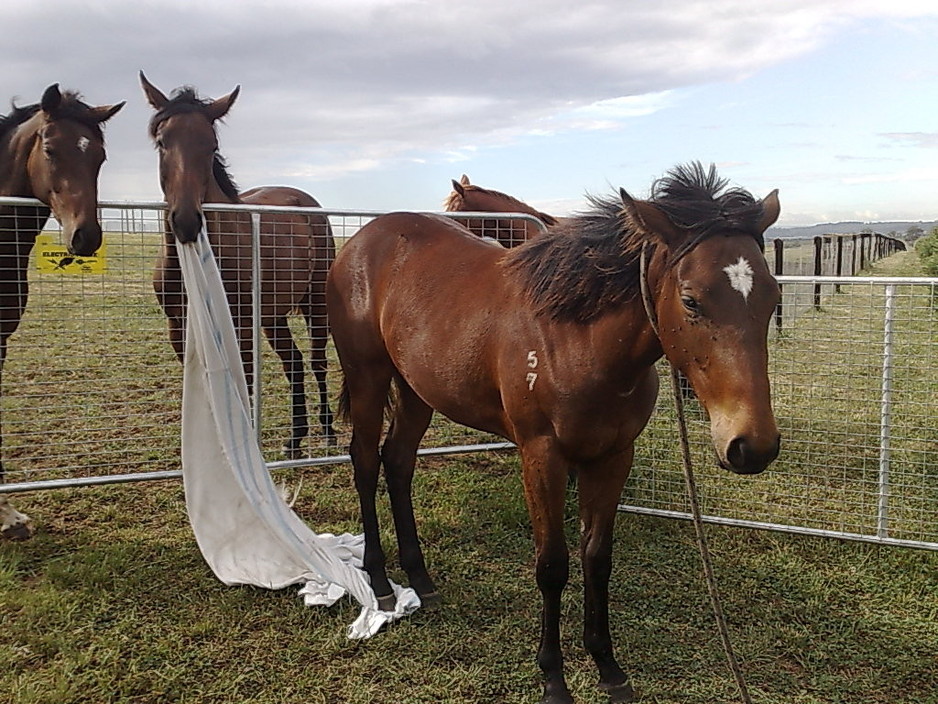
{"x": 186, "y": 100}
{"x": 71, "y": 108}
{"x": 590, "y": 262}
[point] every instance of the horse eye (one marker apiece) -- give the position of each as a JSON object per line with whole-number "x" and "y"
{"x": 691, "y": 304}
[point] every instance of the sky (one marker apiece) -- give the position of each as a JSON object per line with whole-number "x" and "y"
{"x": 378, "y": 104}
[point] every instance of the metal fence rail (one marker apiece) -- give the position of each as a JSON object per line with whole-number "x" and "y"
{"x": 91, "y": 395}
{"x": 91, "y": 386}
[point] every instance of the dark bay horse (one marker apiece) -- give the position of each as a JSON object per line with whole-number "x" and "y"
{"x": 466, "y": 196}
{"x": 295, "y": 250}
{"x": 549, "y": 345}
{"x": 51, "y": 151}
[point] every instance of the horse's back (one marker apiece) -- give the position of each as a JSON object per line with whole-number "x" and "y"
{"x": 420, "y": 292}
{"x": 412, "y": 259}
{"x": 279, "y": 195}
{"x": 319, "y": 248}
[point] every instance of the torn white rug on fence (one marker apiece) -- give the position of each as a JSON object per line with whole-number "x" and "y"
{"x": 245, "y": 530}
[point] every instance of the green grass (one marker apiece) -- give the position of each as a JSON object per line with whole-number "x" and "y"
{"x": 111, "y": 602}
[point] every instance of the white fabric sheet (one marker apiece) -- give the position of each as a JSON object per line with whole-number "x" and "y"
{"x": 245, "y": 530}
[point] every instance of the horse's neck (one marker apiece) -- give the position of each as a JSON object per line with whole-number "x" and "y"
{"x": 25, "y": 221}
{"x": 14, "y": 163}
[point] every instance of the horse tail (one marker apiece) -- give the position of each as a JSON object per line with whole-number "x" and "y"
{"x": 344, "y": 410}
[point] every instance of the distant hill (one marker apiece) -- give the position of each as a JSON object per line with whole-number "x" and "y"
{"x": 847, "y": 228}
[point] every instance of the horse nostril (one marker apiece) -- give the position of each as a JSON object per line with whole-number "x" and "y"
{"x": 736, "y": 453}
{"x": 742, "y": 458}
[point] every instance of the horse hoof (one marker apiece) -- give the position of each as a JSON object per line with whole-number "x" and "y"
{"x": 430, "y": 601}
{"x": 619, "y": 693}
{"x": 20, "y": 531}
{"x": 387, "y": 603}
{"x": 291, "y": 451}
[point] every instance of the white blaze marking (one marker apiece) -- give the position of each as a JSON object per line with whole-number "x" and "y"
{"x": 740, "y": 276}
{"x": 83, "y": 143}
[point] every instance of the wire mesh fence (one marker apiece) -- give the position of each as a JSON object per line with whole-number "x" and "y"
{"x": 855, "y": 392}
{"x": 91, "y": 394}
{"x": 91, "y": 384}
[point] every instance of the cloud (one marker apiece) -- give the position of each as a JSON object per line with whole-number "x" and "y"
{"x": 359, "y": 85}
{"x": 927, "y": 140}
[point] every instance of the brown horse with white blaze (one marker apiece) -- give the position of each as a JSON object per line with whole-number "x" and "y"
{"x": 549, "y": 345}
{"x": 295, "y": 249}
{"x": 52, "y": 151}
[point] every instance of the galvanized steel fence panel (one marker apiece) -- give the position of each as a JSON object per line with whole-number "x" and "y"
{"x": 855, "y": 391}
{"x": 91, "y": 394}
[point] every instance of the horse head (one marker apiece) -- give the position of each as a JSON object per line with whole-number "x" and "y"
{"x": 468, "y": 197}
{"x": 711, "y": 300}
{"x": 66, "y": 154}
{"x": 191, "y": 170}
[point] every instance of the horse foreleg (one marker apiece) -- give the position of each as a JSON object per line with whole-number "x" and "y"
{"x": 367, "y": 394}
{"x": 13, "y": 524}
{"x": 545, "y": 483}
{"x": 600, "y": 486}
{"x": 399, "y": 454}
{"x": 281, "y": 340}
{"x": 177, "y": 335}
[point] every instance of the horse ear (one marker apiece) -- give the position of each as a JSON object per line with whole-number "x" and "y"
{"x": 647, "y": 218}
{"x": 103, "y": 113}
{"x": 217, "y": 109}
{"x": 458, "y": 187}
{"x": 770, "y": 211}
{"x": 464, "y": 180}
{"x": 155, "y": 96}
{"x": 51, "y": 98}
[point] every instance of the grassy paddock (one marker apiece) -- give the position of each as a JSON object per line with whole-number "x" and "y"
{"x": 112, "y": 603}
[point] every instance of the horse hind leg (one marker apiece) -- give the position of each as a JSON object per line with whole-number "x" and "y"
{"x": 281, "y": 340}
{"x": 318, "y": 327}
{"x": 411, "y": 418}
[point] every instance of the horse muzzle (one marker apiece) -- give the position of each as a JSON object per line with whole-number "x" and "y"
{"x": 744, "y": 455}
{"x": 185, "y": 225}
{"x": 85, "y": 240}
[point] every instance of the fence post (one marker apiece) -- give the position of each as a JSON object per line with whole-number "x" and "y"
{"x": 862, "y": 253}
{"x": 885, "y": 416}
{"x": 256, "y": 317}
{"x": 840, "y": 259}
{"x": 853, "y": 256}
{"x": 779, "y": 271}
{"x": 818, "y": 241}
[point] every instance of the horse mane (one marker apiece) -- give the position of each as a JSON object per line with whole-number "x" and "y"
{"x": 455, "y": 201}
{"x": 589, "y": 263}
{"x": 186, "y": 100}
{"x": 71, "y": 108}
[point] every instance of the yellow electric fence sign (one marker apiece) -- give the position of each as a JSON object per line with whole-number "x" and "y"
{"x": 52, "y": 257}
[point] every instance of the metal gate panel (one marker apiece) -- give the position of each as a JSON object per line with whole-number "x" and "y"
{"x": 91, "y": 394}
{"x": 855, "y": 392}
